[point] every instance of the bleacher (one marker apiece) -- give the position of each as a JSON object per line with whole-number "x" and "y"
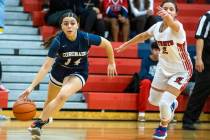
{"x": 22, "y": 54}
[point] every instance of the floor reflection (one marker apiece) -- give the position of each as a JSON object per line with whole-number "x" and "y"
{"x": 99, "y": 130}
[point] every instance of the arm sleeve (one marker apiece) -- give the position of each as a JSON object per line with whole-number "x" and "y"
{"x": 93, "y": 39}
{"x": 54, "y": 48}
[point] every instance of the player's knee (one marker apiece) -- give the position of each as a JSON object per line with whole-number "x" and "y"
{"x": 153, "y": 100}
{"x": 62, "y": 98}
{"x": 163, "y": 104}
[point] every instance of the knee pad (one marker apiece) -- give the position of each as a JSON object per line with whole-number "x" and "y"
{"x": 165, "y": 105}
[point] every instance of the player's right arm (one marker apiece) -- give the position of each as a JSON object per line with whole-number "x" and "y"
{"x": 137, "y": 39}
{"x": 46, "y": 66}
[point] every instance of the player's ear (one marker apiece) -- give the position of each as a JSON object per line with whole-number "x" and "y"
{"x": 78, "y": 26}
{"x": 61, "y": 27}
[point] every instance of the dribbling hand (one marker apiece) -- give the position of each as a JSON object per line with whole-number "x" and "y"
{"x": 24, "y": 95}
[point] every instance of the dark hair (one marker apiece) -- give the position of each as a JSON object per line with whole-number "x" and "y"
{"x": 154, "y": 45}
{"x": 68, "y": 14}
{"x": 171, "y": 1}
{"x": 47, "y": 43}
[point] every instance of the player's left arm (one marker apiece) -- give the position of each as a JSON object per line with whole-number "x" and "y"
{"x": 171, "y": 22}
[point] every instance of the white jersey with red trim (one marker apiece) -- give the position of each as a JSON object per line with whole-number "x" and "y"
{"x": 174, "y": 56}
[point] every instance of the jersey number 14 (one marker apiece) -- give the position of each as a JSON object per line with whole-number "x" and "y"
{"x": 77, "y": 62}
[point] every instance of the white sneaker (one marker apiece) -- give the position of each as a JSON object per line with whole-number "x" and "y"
{"x": 35, "y": 133}
{"x": 141, "y": 117}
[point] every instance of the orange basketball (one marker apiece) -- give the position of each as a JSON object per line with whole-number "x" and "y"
{"x": 24, "y": 110}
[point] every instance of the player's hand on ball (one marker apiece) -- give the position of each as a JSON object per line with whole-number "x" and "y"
{"x": 24, "y": 94}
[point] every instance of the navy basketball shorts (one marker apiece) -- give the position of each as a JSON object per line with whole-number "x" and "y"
{"x": 58, "y": 73}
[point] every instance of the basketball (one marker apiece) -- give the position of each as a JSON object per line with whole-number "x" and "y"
{"x": 24, "y": 110}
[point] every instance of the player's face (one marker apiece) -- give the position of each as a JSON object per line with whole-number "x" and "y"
{"x": 69, "y": 26}
{"x": 170, "y": 8}
{"x": 156, "y": 52}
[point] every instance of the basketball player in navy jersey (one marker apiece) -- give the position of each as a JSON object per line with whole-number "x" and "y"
{"x": 68, "y": 58}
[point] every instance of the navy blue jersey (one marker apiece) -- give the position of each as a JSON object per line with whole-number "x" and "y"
{"x": 72, "y": 54}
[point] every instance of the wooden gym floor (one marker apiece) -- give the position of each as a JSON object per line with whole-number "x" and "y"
{"x": 100, "y": 130}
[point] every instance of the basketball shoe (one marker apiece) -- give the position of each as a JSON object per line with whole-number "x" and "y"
{"x": 160, "y": 133}
{"x": 35, "y": 128}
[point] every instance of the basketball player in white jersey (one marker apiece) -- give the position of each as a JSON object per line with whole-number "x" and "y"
{"x": 174, "y": 68}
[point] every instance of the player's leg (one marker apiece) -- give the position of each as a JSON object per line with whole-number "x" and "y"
{"x": 53, "y": 90}
{"x": 71, "y": 85}
{"x": 155, "y": 96}
{"x": 156, "y": 92}
{"x": 168, "y": 102}
{"x": 165, "y": 107}
{"x": 174, "y": 87}
{"x": 157, "y": 87}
